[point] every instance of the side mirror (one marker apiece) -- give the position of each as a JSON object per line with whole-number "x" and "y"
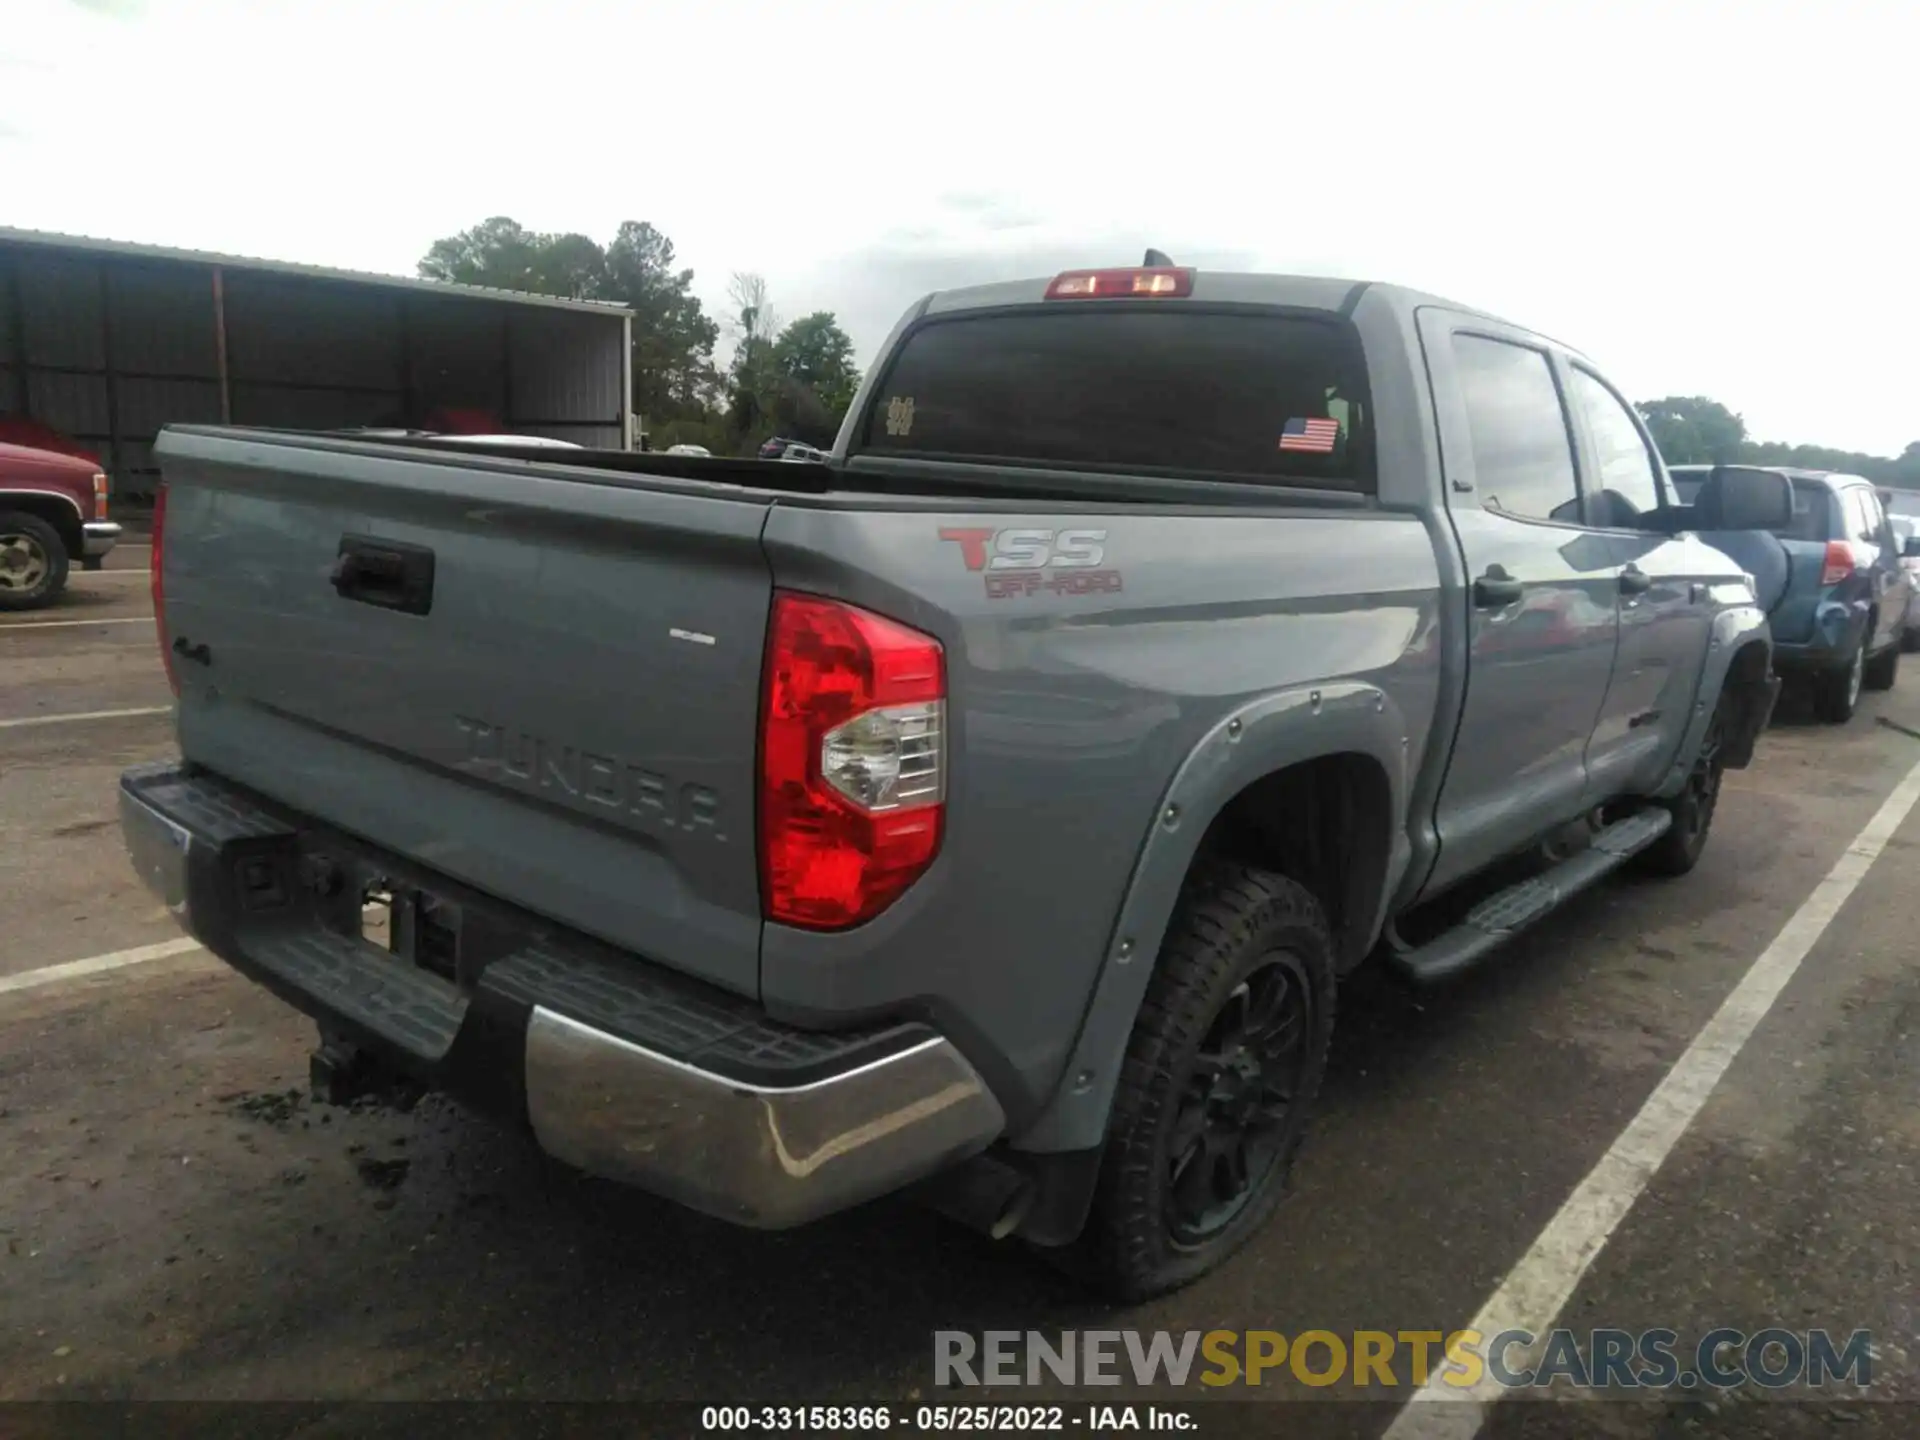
{"x": 1911, "y": 549}
{"x": 1750, "y": 499}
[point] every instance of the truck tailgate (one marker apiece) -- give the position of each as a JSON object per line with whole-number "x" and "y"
{"x": 540, "y": 683}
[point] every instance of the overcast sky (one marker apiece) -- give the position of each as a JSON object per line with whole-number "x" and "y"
{"x": 1708, "y": 198}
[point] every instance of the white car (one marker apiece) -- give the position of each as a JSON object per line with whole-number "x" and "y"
{"x": 689, "y": 450}
{"x": 1906, "y": 529}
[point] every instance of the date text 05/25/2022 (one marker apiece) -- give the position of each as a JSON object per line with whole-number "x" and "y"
{"x": 924, "y": 1419}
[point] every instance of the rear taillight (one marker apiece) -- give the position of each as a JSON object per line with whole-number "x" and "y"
{"x": 1840, "y": 562}
{"x": 156, "y": 577}
{"x": 852, "y": 762}
{"x": 1118, "y": 284}
{"x": 99, "y": 496}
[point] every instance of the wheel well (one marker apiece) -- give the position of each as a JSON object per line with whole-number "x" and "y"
{"x": 1326, "y": 823}
{"x": 57, "y": 513}
{"x": 1749, "y": 664}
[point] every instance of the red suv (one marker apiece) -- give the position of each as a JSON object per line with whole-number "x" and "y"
{"x": 53, "y": 511}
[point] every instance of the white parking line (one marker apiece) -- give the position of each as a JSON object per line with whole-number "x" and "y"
{"x": 64, "y": 624}
{"x": 95, "y": 965}
{"x": 26, "y": 720}
{"x": 1536, "y": 1289}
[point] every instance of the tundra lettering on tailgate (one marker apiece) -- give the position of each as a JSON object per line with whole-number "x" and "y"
{"x": 586, "y": 780}
{"x": 1029, "y": 561}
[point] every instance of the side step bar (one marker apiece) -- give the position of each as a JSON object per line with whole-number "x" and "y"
{"x": 1504, "y": 914}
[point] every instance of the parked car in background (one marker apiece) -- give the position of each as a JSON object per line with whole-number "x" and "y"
{"x": 34, "y": 435}
{"x": 1834, "y": 581}
{"x": 781, "y": 448}
{"x": 1906, "y": 530}
{"x": 53, "y": 512}
{"x": 689, "y": 450}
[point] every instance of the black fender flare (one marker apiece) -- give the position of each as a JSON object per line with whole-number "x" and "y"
{"x": 1735, "y": 630}
{"x": 1282, "y": 729}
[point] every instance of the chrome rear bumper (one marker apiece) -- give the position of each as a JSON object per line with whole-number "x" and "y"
{"x": 759, "y": 1156}
{"x": 808, "y": 1124}
{"x": 158, "y": 848}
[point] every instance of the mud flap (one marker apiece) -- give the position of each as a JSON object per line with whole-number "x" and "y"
{"x": 1750, "y": 699}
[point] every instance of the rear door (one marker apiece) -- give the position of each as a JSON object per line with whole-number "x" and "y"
{"x": 1542, "y": 617}
{"x": 1664, "y": 616}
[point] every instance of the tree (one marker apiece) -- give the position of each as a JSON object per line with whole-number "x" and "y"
{"x": 1693, "y": 430}
{"x": 752, "y": 381}
{"x": 752, "y": 318}
{"x": 796, "y": 381}
{"x": 815, "y": 352}
{"x": 504, "y": 254}
{"x": 673, "y": 338}
{"x": 1906, "y": 470}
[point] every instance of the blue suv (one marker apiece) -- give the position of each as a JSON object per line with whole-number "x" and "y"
{"x": 1834, "y": 588}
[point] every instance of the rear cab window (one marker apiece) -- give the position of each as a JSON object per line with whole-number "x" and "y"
{"x": 1813, "y": 507}
{"x": 1154, "y": 388}
{"x": 1686, "y": 484}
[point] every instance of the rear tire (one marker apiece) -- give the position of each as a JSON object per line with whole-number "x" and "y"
{"x": 1881, "y": 671}
{"x": 33, "y": 562}
{"x": 1219, "y": 1080}
{"x": 1837, "y": 692}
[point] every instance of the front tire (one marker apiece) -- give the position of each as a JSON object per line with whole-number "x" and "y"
{"x": 1219, "y": 1080}
{"x": 33, "y": 562}
{"x": 1837, "y": 692}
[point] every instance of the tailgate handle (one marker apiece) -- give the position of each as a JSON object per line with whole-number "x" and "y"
{"x": 387, "y": 573}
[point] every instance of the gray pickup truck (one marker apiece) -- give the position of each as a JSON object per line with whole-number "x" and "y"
{"x": 991, "y": 810}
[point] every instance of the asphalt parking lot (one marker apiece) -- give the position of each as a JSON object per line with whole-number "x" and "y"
{"x": 180, "y": 1222}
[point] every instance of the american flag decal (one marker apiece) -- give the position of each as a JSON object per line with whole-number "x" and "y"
{"x": 1316, "y": 437}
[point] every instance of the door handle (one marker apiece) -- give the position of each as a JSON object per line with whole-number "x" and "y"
{"x": 1496, "y": 589}
{"x": 388, "y": 573}
{"x": 1635, "y": 581}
